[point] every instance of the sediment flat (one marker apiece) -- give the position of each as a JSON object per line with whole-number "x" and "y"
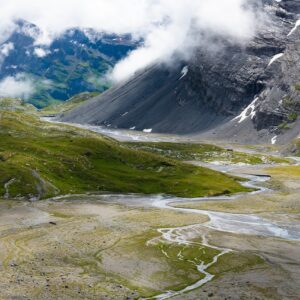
{"x": 111, "y": 247}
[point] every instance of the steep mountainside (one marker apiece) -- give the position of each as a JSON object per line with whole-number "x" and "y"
{"x": 245, "y": 93}
{"x": 74, "y": 62}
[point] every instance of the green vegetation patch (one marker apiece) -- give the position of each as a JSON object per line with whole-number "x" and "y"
{"x": 298, "y": 147}
{"x": 297, "y": 87}
{"x": 205, "y": 153}
{"x": 170, "y": 266}
{"x": 13, "y": 104}
{"x": 40, "y": 160}
{"x": 287, "y": 172}
{"x": 236, "y": 262}
{"x": 293, "y": 117}
{"x": 61, "y": 107}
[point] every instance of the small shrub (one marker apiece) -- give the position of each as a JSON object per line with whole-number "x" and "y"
{"x": 297, "y": 87}
{"x": 293, "y": 116}
{"x": 283, "y": 126}
{"x": 288, "y": 102}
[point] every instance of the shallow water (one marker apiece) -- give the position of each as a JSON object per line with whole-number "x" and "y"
{"x": 124, "y": 135}
{"x": 246, "y": 224}
{"x": 227, "y": 222}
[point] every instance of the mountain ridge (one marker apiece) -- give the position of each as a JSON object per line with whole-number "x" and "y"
{"x": 208, "y": 94}
{"x": 74, "y": 62}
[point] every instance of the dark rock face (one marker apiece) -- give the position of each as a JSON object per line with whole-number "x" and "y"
{"x": 280, "y": 100}
{"x": 205, "y": 95}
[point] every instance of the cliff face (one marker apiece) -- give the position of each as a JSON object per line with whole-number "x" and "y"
{"x": 247, "y": 93}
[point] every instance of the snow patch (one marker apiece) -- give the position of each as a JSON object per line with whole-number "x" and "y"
{"x": 147, "y": 130}
{"x": 274, "y": 140}
{"x": 245, "y": 113}
{"x": 184, "y": 72}
{"x": 295, "y": 28}
{"x": 274, "y": 58}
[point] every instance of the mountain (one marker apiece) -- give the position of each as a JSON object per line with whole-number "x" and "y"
{"x": 72, "y": 63}
{"x": 243, "y": 93}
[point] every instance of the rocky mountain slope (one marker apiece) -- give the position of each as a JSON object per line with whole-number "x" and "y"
{"x": 246, "y": 93}
{"x": 72, "y": 63}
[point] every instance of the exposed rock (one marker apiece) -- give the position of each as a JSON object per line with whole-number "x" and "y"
{"x": 206, "y": 95}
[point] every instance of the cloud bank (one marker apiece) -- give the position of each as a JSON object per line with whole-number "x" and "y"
{"x": 166, "y": 26}
{"x": 18, "y": 86}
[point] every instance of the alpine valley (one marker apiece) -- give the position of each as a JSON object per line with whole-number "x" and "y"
{"x": 180, "y": 182}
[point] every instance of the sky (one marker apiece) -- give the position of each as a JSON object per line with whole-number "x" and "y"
{"x": 167, "y": 26}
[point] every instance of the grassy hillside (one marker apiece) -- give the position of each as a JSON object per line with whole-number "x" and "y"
{"x": 67, "y": 105}
{"x": 13, "y": 104}
{"x": 39, "y": 160}
{"x": 204, "y": 153}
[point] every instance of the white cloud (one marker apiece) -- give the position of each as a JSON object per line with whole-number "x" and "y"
{"x": 18, "y": 86}
{"x": 167, "y": 26}
{"x": 40, "y": 52}
{"x": 5, "y": 50}
{"x": 189, "y": 25}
